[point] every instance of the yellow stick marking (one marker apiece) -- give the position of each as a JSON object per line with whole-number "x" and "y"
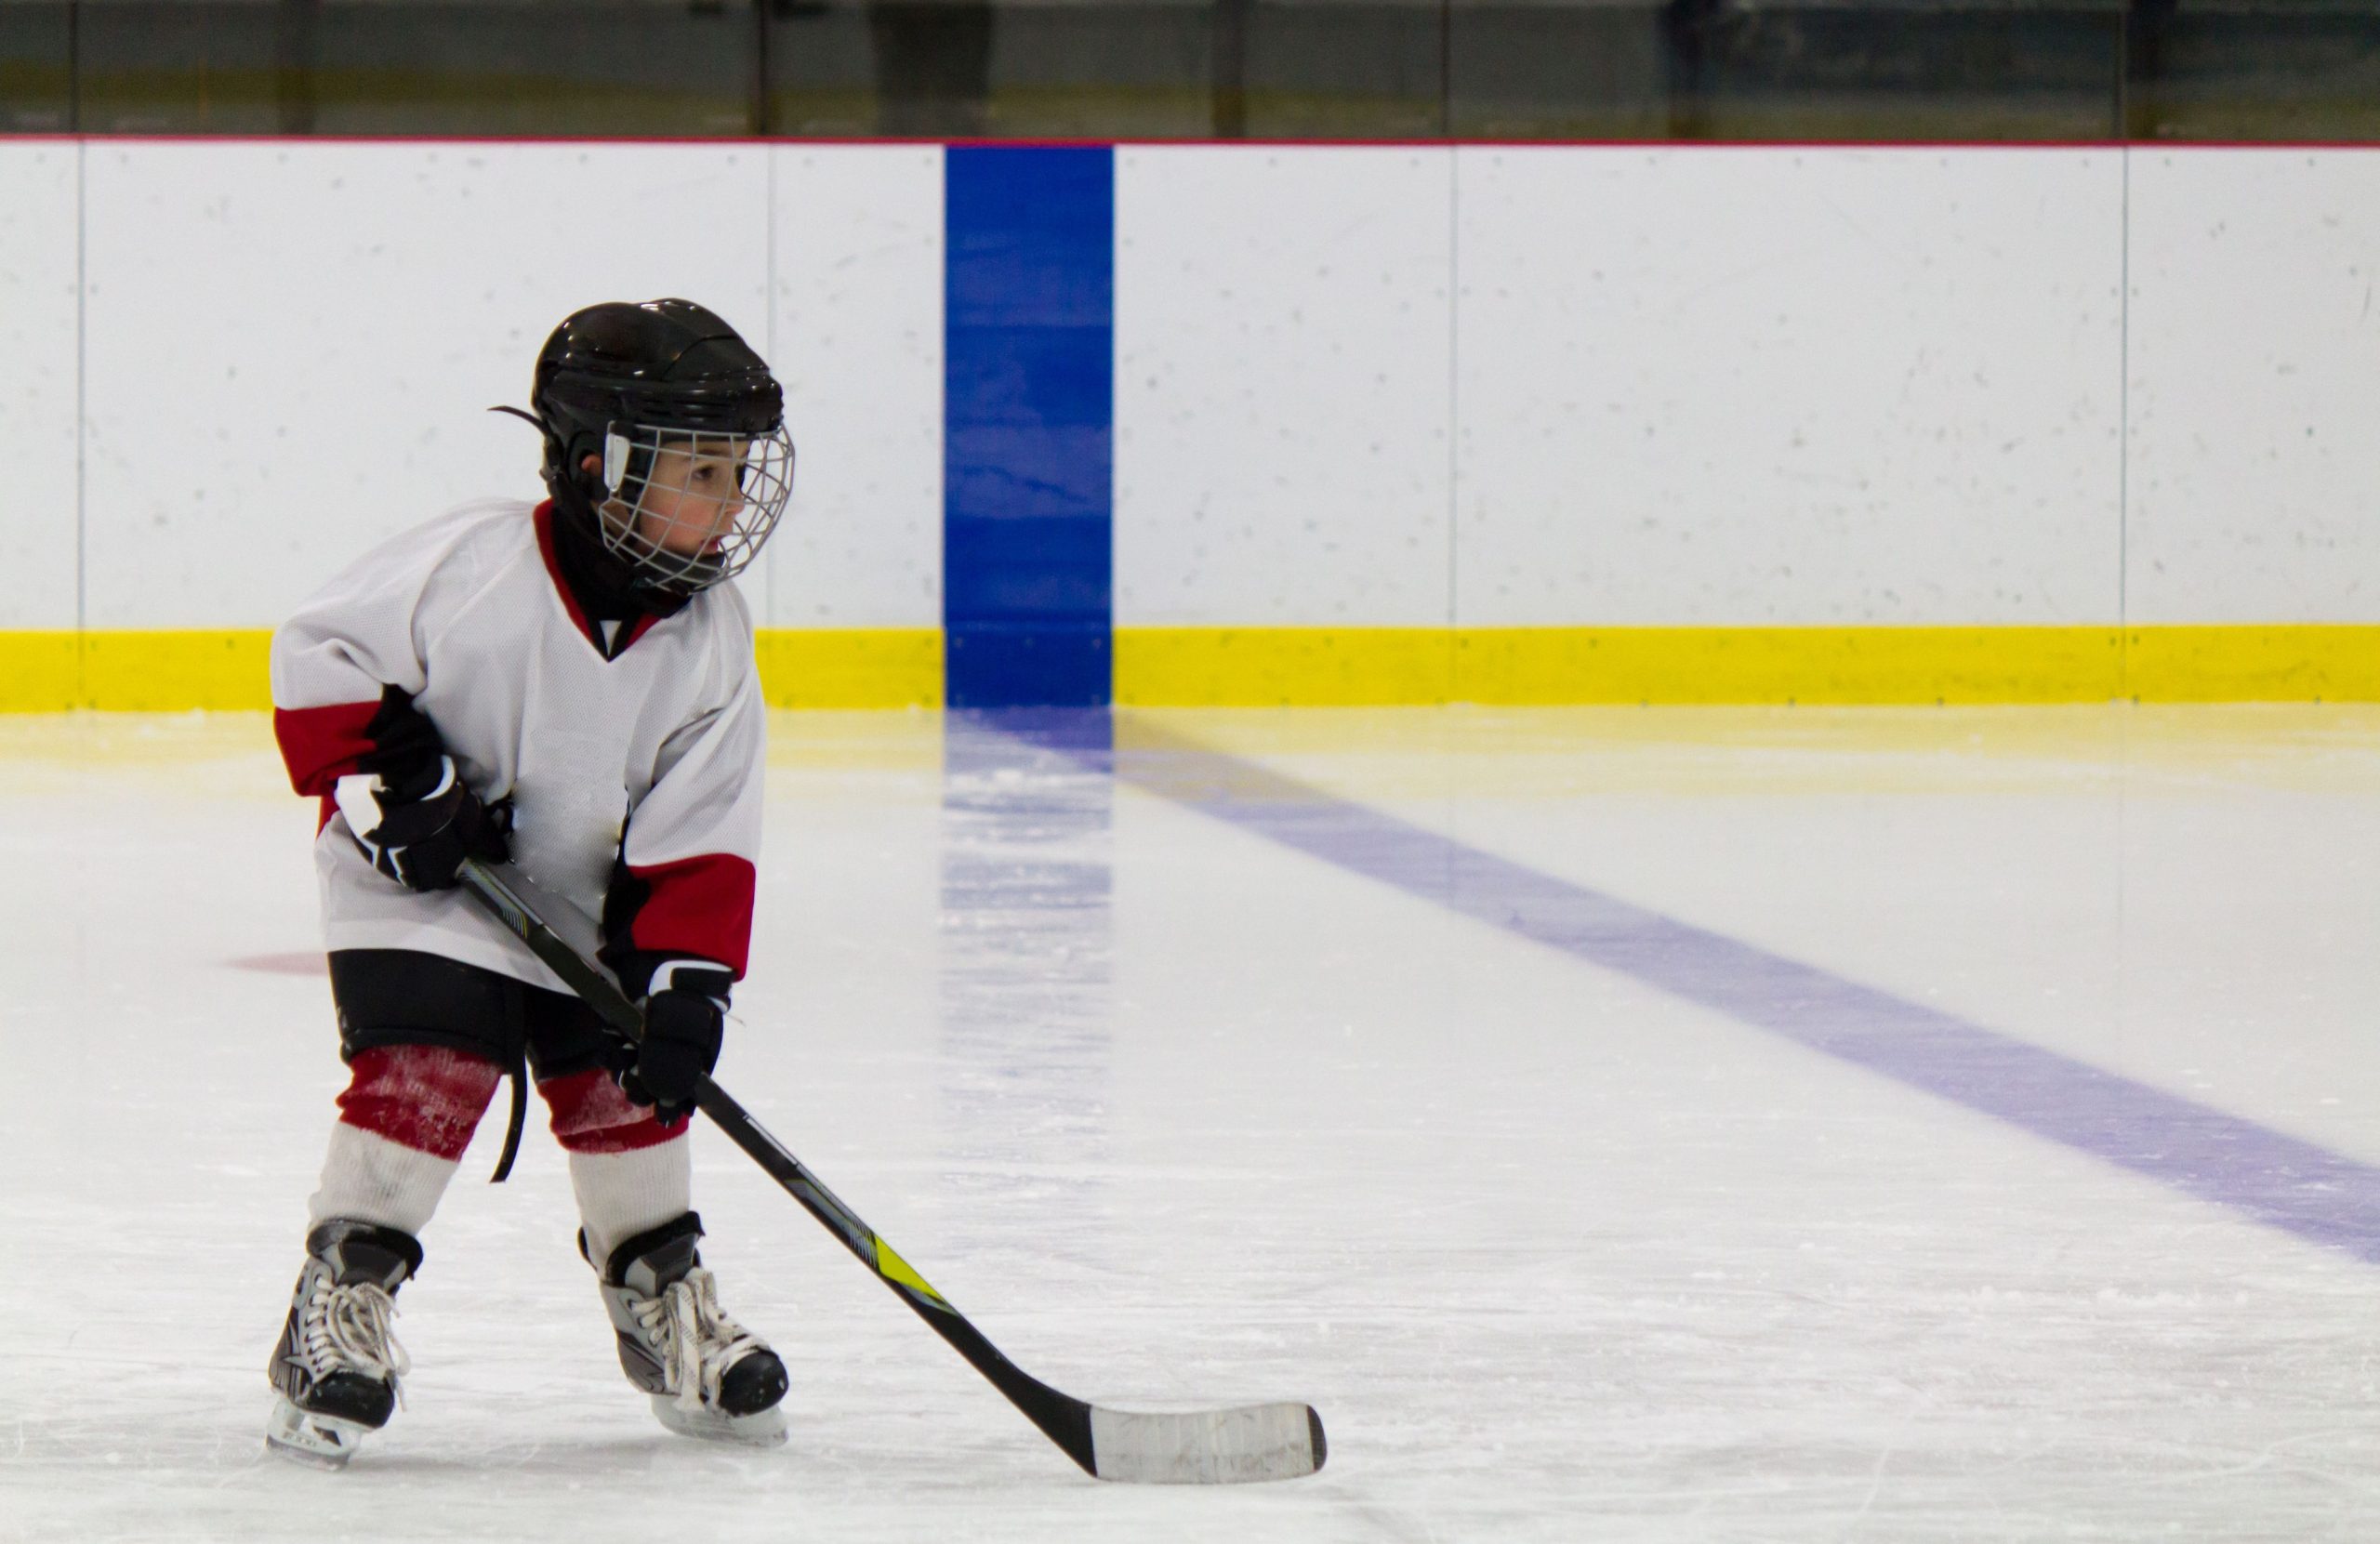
{"x": 892, "y": 1267}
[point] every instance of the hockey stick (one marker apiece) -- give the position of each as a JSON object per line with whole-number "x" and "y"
{"x": 1253, "y": 1442}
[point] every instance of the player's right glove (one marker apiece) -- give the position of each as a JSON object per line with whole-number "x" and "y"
{"x": 419, "y": 831}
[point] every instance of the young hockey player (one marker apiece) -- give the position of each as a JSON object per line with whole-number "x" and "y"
{"x": 571, "y": 686}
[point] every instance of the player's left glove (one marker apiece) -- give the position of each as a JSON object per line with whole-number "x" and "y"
{"x": 685, "y": 1018}
{"x": 418, "y": 830}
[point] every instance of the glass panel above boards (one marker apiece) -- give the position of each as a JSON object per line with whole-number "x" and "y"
{"x": 431, "y": 67}
{"x": 2270, "y": 70}
{"x": 1886, "y": 70}
{"x": 36, "y": 68}
{"x": 1862, "y": 71}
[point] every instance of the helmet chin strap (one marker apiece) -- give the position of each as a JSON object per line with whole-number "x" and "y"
{"x": 578, "y": 525}
{"x": 561, "y": 477}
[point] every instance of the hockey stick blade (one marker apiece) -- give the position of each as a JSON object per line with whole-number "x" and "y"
{"x": 1254, "y": 1442}
{"x": 1208, "y": 1448}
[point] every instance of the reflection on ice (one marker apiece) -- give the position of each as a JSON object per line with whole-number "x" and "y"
{"x": 1025, "y": 969}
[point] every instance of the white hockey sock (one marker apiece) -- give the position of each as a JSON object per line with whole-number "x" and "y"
{"x": 370, "y": 1179}
{"x": 622, "y": 1195}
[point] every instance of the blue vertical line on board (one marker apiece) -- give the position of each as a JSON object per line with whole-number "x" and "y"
{"x": 1029, "y": 425}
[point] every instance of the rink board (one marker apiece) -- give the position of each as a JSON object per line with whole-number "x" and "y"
{"x": 178, "y": 670}
{"x": 39, "y": 314}
{"x": 1326, "y": 666}
{"x": 58, "y": 670}
{"x": 1385, "y": 423}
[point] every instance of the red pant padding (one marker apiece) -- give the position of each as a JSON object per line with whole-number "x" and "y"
{"x": 592, "y": 1115}
{"x": 422, "y": 1097}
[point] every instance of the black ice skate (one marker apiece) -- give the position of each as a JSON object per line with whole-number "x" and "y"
{"x": 337, "y": 1366}
{"x": 708, "y": 1376}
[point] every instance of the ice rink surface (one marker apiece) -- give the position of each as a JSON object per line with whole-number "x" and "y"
{"x": 1665, "y": 1124}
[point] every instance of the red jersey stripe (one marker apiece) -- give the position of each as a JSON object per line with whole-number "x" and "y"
{"x": 699, "y": 907}
{"x": 322, "y": 745}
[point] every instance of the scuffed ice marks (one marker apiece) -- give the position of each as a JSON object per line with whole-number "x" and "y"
{"x": 1025, "y": 974}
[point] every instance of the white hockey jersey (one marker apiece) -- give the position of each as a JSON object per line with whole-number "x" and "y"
{"x": 633, "y": 761}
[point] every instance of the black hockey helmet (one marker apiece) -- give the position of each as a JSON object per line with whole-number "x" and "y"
{"x": 666, "y": 396}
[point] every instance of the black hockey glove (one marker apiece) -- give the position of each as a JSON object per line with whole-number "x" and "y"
{"x": 426, "y": 825}
{"x": 684, "y": 1020}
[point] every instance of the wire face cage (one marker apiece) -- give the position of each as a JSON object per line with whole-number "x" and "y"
{"x": 686, "y": 509}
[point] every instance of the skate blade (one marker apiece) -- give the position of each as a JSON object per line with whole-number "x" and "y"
{"x": 761, "y": 1429}
{"x": 318, "y": 1442}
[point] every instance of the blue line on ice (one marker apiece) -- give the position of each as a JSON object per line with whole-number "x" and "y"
{"x": 2277, "y": 1179}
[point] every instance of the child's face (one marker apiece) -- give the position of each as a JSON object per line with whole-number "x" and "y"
{"x": 692, "y": 495}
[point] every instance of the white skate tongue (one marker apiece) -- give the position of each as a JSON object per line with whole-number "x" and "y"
{"x": 354, "y": 1328}
{"x": 695, "y": 1339}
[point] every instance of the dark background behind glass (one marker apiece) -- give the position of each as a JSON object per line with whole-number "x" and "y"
{"x": 1834, "y": 70}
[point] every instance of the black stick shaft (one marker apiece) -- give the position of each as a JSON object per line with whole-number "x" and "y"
{"x": 1063, "y": 1418}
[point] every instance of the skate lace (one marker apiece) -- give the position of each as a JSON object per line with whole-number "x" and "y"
{"x": 696, "y": 1340}
{"x": 346, "y": 1330}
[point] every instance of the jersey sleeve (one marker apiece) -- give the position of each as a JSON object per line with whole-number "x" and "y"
{"x": 684, "y": 884}
{"x": 345, "y": 669}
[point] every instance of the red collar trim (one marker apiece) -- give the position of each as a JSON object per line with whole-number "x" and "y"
{"x": 637, "y": 626}
{"x": 638, "y": 629}
{"x": 543, "y": 515}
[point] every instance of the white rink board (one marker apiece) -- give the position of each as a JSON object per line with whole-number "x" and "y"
{"x": 2254, "y": 475}
{"x": 1685, "y": 385}
{"x": 1788, "y": 385}
{"x": 855, "y": 334}
{"x": 1282, "y": 355}
{"x": 37, "y": 340}
{"x": 362, "y": 307}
